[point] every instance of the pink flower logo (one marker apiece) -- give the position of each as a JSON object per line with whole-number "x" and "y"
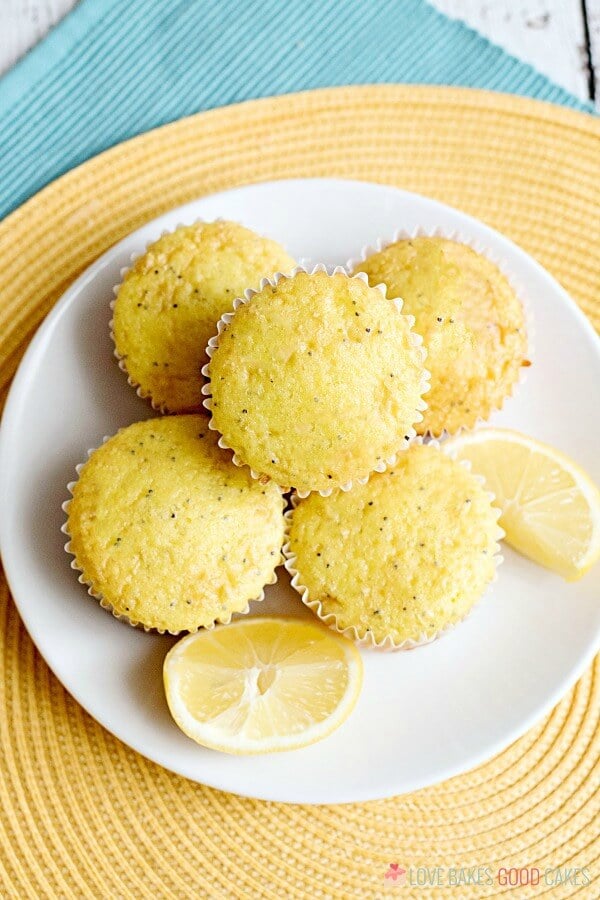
{"x": 395, "y": 874}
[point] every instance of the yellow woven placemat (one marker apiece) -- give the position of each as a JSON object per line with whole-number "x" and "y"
{"x": 82, "y": 815}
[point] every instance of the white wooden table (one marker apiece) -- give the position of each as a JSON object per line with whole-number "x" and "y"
{"x": 561, "y": 38}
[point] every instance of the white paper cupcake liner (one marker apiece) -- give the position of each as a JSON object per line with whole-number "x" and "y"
{"x": 352, "y": 632}
{"x": 104, "y": 603}
{"x": 482, "y": 249}
{"x": 226, "y": 319}
{"x": 122, "y": 362}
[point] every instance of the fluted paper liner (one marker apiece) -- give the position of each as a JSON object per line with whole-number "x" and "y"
{"x": 108, "y": 606}
{"x": 483, "y": 250}
{"x": 225, "y": 320}
{"x": 367, "y": 639}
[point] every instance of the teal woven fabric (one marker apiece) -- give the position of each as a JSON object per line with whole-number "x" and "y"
{"x": 115, "y": 68}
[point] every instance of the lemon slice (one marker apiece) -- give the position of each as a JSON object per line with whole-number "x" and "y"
{"x": 261, "y": 685}
{"x": 550, "y": 507}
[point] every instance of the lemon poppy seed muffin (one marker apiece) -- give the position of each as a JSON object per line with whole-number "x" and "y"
{"x": 171, "y": 298}
{"x": 167, "y": 531}
{"x": 317, "y": 381}
{"x": 471, "y": 321}
{"x": 401, "y": 557}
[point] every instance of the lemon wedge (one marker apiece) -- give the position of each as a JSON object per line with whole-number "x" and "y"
{"x": 262, "y": 685}
{"x": 550, "y": 507}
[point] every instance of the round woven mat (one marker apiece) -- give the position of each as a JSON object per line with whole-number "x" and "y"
{"x": 84, "y": 816}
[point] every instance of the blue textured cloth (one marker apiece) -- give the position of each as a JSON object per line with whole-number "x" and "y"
{"x": 115, "y": 68}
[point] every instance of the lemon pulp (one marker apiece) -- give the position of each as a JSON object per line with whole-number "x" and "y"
{"x": 550, "y": 507}
{"x": 262, "y": 685}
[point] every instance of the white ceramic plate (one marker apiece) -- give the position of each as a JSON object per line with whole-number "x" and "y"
{"x": 422, "y": 716}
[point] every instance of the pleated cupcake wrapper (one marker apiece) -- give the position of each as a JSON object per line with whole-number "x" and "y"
{"x": 367, "y": 639}
{"x": 143, "y": 394}
{"x": 226, "y": 319}
{"x": 481, "y": 248}
{"x": 102, "y": 599}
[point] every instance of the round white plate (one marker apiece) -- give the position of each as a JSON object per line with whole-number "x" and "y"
{"x": 422, "y": 716}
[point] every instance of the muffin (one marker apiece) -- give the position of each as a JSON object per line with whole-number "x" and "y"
{"x": 168, "y": 533}
{"x": 471, "y": 321}
{"x": 171, "y": 298}
{"x": 316, "y": 380}
{"x": 400, "y": 559}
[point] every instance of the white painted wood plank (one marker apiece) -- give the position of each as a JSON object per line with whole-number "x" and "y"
{"x": 549, "y": 34}
{"x": 593, "y": 17}
{"x": 24, "y": 23}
